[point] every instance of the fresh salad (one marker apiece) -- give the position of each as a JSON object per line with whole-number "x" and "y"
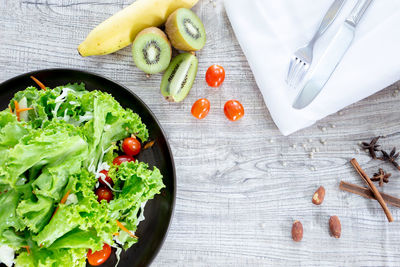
{"x": 70, "y": 188}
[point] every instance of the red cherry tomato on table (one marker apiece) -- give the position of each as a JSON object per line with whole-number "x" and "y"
{"x": 215, "y": 75}
{"x": 104, "y": 193}
{"x": 99, "y": 257}
{"x": 233, "y": 110}
{"x": 131, "y": 146}
{"x": 107, "y": 179}
{"x": 124, "y": 158}
{"x": 201, "y": 108}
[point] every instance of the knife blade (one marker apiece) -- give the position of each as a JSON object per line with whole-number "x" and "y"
{"x": 331, "y": 57}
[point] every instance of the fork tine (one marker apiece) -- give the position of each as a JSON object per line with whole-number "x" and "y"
{"x": 300, "y": 76}
{"x": 299, "y": 73}
{"x": 293, "y": 68}
{"x": 296, "y": 70}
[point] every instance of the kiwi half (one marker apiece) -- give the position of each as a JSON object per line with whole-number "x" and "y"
{"x": 151, "y": 50}
{"x": 185, "y": 30}
{"x": 179, "y": 77}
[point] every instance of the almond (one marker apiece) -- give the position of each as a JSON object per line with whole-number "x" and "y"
{"x": 335, "y": 227}
{"x": 319, "y": 196}
{"x": 297, "y": 231}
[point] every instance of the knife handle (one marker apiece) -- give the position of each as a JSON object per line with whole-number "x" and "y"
{"x": 358, "y": 12}
{"x": 329, "y": 17}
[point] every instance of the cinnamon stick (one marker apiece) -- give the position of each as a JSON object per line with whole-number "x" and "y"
{"x": 373, "y": 188}
{"x": 365, "y": 192}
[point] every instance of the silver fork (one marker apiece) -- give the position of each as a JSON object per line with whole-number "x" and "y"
{"x": 302, "y": 58}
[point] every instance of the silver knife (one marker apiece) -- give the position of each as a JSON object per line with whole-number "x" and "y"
{"x": 332, "y": 56}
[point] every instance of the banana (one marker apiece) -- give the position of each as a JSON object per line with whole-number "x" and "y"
{"x": 120, "y": 30}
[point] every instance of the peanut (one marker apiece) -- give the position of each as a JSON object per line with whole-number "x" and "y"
{"x": 297, "y": 231}
{"x": 319, "y": 196}
{"x": 335, "y": 226}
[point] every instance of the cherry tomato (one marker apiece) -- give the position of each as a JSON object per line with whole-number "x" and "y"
{"x": 107, "y": 179}
{"x": 201, "y": 108}
{"x": 99, "y": 257}
{"x": 104, "y": 193}
{"x": 124, "y": 158}
{"x": 215, "y": 75}
{"x": 233, "y": 110}
{"x": 131, "y": 146}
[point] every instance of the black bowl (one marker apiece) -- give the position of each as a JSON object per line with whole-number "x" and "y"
{"x": 158, "y": 212}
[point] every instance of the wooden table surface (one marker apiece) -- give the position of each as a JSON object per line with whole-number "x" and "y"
{"x": 240, "y": 185}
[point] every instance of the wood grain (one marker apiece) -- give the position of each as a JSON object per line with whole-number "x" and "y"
{"x": 240, "y": 185}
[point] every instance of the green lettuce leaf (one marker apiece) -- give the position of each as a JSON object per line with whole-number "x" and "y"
{"x": 35, "y": 214}
{"x": 8, "y": 205}
{"x": 42, "y": 257}
{"x": 63, "y": 221}
{"x": 10, "y": 238}
{"x": 47, "y": 146}
{"x": 139, "y": 184}
{"x": 54, "y": 177}
{"x": 11, "y": 130}
{"x": 110, "y": 124}
{"x": 38, "y": 115}
{"x": 45, "y": 107}
{"x": 87, "y": 215}
{"x": 78, "y": 239}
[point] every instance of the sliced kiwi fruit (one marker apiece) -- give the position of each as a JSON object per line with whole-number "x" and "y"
{"x": 179, "y": 77}
{"x": 185, "y": 30}
{"x": 151, "y": 50}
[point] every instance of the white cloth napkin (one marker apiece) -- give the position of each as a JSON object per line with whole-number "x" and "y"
{"x": 269, "y": 31}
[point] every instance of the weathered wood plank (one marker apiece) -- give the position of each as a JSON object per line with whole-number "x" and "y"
{"x": 240, "y": 185}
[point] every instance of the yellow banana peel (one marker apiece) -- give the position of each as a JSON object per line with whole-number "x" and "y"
{"x": 120, "y": 30}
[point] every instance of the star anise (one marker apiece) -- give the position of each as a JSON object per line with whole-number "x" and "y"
{"x": 381, "y": 176}
{"x": 391, "y": 157}
{"x": 372, "y": 146}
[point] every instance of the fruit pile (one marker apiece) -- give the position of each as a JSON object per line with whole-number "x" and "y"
{"x": 152, "y": 51}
